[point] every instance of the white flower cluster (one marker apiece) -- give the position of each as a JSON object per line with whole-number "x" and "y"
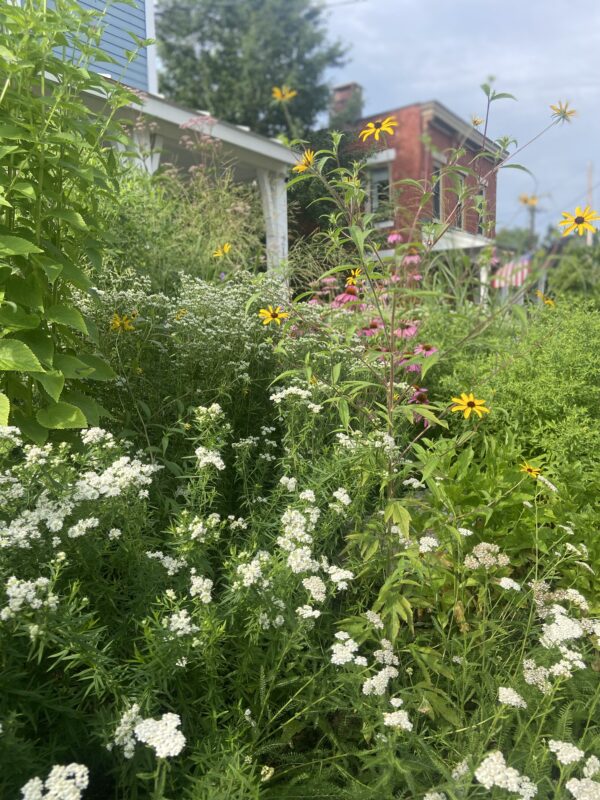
{"x": 204, "y": 413}
{"x": 209, "y": 458}
{"x": 398, "y": 719}
{"x": 10, "y": 434}
{"x": 288, "y": 483}
{"x": 34, "y": 594}
{"x": 82, "y": 526}
{"x": 466, "y": 532}
{"x": 10, "y": 488}
{"x": 295, "y": 392}
{"x": 565, "y": 752}
{"x": 65, "y": 782}
{"x": 413, "y": 483}
{"x": 26, "y": 528}
{"x": 172, "y": 565}
{"x": 435, "y": 796}
{"x": 343, "y": 500}
{"x": 378, "y": 683}
{"x": 296, "y": 538}
{"x": 123, "y": 474}
{"x": 179, "y": 623}
{"x": 378, "y": 440}
{"x": 561, "y": 629}
{"x": 98, "y": 436}
{"x": 162, "y": 735}
{"x": 124, "y": 735}
{"x": 509, "y": 584}
{"x": 494, "y": 771}
{"x": 427, "y": 544}
{"x": 201, "y": 587}
{"x": 583, "y": 789}
{"x": 344, "y": 650}
{"x": 337, "y": 575}
{"x": 487, "y": 556}
{"x": 308, "y": 612}
{"x": 316, "y": 588}
{"x": 251, "y": 572}
{"x": 374, "y": 619}
{"x": 509, "y": 697}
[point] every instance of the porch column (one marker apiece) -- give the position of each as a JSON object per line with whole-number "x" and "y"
{"x": 148, "y": 145}
{"x": 273, "y": 195}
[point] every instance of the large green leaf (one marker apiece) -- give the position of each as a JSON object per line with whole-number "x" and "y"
{"x": 41, "y": 343}
{"x": 101, "y": 370}
{"x": 13, "y": 318}
{"x": 64, "y": 315}
{"x": 16, "y": 356}
{"x": 16, "y": 246}
{"x": 53, "y": 382}
{"x": 72, "y": 367}
{"x": 74, "y": 218}
{"x": 61, "y": 416}
{"x": 4, "y": 409}
{"x": 92, "y": 410}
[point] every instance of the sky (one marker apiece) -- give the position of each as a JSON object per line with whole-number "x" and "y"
{"x": 542, "y": 51}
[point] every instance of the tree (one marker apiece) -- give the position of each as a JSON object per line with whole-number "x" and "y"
{"x": 225, "y": 56}
{"x": 517, "y": 240}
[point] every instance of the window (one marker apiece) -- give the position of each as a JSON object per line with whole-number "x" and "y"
{"x": 379, "y": 188}
{"x": 437, "y": 201}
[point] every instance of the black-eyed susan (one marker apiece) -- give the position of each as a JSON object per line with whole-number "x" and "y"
{"x": 561, "y": 111}
{"x": 270, "y": 314}
{"x": 354, "y": 277}
{"x": 308, "y": 159}
{"x": 222, "y": 250}
{"x": 533, "y": 472}
{"x": 283, "y": 94}
{"x": 580, "y": 221}
{"x": 121, "y": 324}
{"x": 468, "y": 404}
{"x": 547, "y": 301}
{"x": 530, "y": 200}
{"x": 476, "y": 121}
{"x": 375, "y": 129}
{"x": 180, "y": 314}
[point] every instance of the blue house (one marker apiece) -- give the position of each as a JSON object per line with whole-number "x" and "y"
{"x": 163, "y": 123}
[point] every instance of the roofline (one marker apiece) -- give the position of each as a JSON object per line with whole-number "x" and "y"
{"x": 156, "y": 106}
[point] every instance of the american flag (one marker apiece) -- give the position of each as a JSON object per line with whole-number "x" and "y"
{"x": 513, "y": 273}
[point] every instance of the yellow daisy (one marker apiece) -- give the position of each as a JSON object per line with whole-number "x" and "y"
{"x": 283, "y": 94}
{"x": 562, "y": 112}
{"x": 548, "y": 301}
{"x": 354, "y": 276}
{"x": 467, "y": 404}
{"x": 375, "y": 129}
{"x": 180, "y": 314}
{"x": 270, "y": 314}
{"x": 529, "y": 199}
{"x": 120, "y": 324}
{"x": 476, "y": 121}
{"x": 579, "y": 221}
{"x": 222, "y": 250}
{"x": 308, "y": 159}
{"x": 532, "y": 471}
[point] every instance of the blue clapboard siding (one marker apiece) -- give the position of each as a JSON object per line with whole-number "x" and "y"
{"x": 118, "y": 21}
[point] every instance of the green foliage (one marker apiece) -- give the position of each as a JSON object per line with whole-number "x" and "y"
{"x": 168, "y": 223}
{"x": 226, "y": 57}
{"x": 56, "y": 163}
{"x": 576, "y": 271}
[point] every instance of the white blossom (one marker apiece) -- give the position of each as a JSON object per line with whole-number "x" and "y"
{"x": 509, "y": 584}
{"x": 584, "y": 789}
{"x": 378, "y": 683}
{"x": 201, "y": 588}
{"x": 565, "y": 752}
{"x": 209, "y": 458}
{"x": 65, "y": 782}
{"x": 494, "y": 771}
{"x": 308, "y": 612}
{"x": 162, "y": 735}
{"x": 509, "y": 697}
{"x": 316, "y": 588}
{"x": 179, "y": 623}
{"x": 124, "y": 732}
{"x": 398, "y": 720}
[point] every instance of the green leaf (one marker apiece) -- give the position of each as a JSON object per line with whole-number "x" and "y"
{"x": 40, "y": 343}
{"x": 14, "y": 318}
{"x": 102, "y": 371}
{"x": 72, "y": 367}
{"x": 53, "y": 382}
{"x": 29, "y": 427}
{"x": 4, "y": 409}
{"x": 64, "y": 315}
{"x": 399, "y": 515}
{"x": 17, "y": 357}
{"x": 92, "y": 410}
{"x": 73, "y": 218}
{"x": 16, "y": 246}
{"x": 61, "y": 416}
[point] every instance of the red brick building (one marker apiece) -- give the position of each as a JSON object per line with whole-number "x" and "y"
{"x": 418, "y": 149}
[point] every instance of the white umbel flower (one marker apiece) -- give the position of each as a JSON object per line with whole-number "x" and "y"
{"x": 162, "y": 735}
{"x": 508, "y": 697}
{"x": 565, "y": 752}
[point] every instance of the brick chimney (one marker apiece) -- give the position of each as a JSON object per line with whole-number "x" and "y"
{"x": 346, "y": 105}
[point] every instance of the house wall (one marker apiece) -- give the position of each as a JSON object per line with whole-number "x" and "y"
{"x": 415, "y": 161}
{"x": 120, "y": 19}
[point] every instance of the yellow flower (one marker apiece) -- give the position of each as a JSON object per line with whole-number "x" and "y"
{"x": 375, "y": 129}
{"x": 562, "y": 112}
{"x": 180, "y": 314}
{"x": 354, "y": 276}
{"x": 283, "y": 94}
{"x": 476, "y": 121}
{"x": 120, "y": 324}
{"x": 529, "y": 199}
{"x": 222, "y": 250}
{"x": 533, "y": 471}
{"x": 548, "y": 301}
{"x": 308, "y": 159}
{"x": 579, "y": 221}
{"x": 467, "y": 403}
{"x": 270, "y": 314}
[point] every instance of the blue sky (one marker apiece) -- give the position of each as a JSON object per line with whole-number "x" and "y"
{"x": 542, "y": 51}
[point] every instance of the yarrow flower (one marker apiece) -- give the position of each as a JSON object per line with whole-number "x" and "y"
{"x": 509, "y": 697}
{"x": 375, "y": 129}
{"x": 565, "y": 752}
{"x": 162, "y": 735}
{"x": 468, "y": 404}
{"x": 580, "y": 221}
{"x": 487, "y": 556}
{"x": 270, "y": 314}
{"x": 494, "y": 771}
{"x": 209, "y": 458}
{"x": 66, "y": 782}
{"x": 306, "y": 162}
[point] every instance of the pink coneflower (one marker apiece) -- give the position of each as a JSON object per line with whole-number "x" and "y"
{"x": 314, "y": 301}
{"x": 414, "y": 259}
{"x": 349, "y": 295}
{"x": 425, "y": 350}
{"x": 373, "y": 328}
{"x": 402, "y": 362}
{"x": 416, "y": 277}
{"x": 420, "y": 397}
{"x": 406, "y": 329}
{"x": 394, "y": 238}
{"x": 329, "y": 280}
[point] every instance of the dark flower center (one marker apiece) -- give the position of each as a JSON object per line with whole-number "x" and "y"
{"x": 471, "y": 404}
{"x": 378, "y": 125}
{"x": 579, "y": 220}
